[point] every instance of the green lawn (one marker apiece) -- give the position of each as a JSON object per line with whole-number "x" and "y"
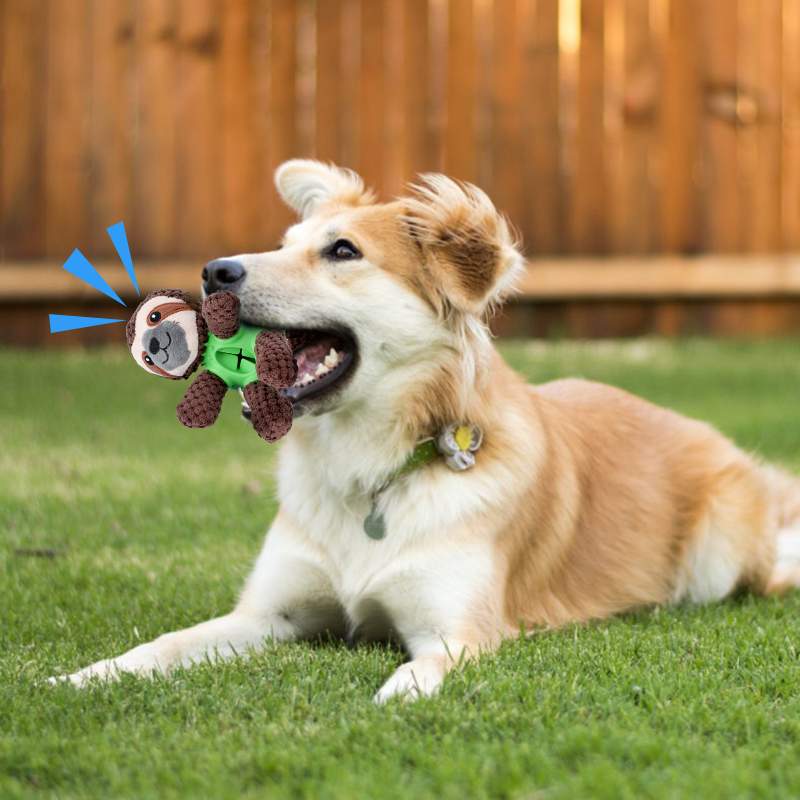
{"x": 152, "y": 527}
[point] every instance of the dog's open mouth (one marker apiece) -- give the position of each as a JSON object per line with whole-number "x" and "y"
{"x": 324, "y": 360}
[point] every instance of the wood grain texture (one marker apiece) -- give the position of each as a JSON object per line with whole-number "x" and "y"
{"x": 763, "y": 222}
{"x": 199, "y": 184}
{"x": 22, "y": 128}
{"x": 681, "y": 120}
{"x": 460, "y": 152}
{"x": 638, "y": 231}
{"x": 588, "y": 213}
{"x": 416, "y": 148}
{"x": 507, "y": 119}
{"x": 790, "y": 144}
{"x": 155, "y": 202}
{"x": 282, "y": 101}
{"x": 722, "y": 216}
{"x": 111, "y": 119}
{"x": 66, "y": 150}
{"x": 544, "y": 221}
{"x": 599, "y": 126}
{"x": 328, "y": 95}
{"x": 372, "y": 94}
{"x": 242, "y": 126}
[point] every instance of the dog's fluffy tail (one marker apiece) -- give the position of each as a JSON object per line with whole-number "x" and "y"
{"x": 785, "y": 491}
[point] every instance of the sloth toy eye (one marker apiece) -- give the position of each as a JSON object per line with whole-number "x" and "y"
{"x": 148, "y": 360}
{"x": 155, "y": 316}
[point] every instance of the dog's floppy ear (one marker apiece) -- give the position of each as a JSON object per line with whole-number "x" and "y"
{"x": 305, "y": 184}
{"x": 470, "y": 252}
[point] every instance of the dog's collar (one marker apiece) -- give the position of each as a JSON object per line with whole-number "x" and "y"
{"x": 458, "y": 443}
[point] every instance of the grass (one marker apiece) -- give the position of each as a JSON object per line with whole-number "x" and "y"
{"x": 151, "y": 527}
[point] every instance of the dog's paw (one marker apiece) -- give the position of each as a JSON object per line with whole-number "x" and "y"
{"x": 419, "y": 678}
{"x": 100, "y": 671}
{"x": 106, "y": 671}
{"x": 140, "y": 661}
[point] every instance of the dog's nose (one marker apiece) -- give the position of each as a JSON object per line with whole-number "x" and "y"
{"x": 224, "y": 273}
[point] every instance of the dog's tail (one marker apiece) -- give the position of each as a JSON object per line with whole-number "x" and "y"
{"x": 785, "y": 493}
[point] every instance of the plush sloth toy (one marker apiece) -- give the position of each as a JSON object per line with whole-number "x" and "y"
{"x": 168, "y": 336}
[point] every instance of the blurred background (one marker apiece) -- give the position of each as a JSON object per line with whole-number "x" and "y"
{"x": 648, "y": 151}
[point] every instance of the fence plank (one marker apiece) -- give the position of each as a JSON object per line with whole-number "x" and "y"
{"x": 416, "y": 145}
{"x": 639, "y": 233}
{"x": 282, "y": 100}
{"x": 589, "y": 188}
{"x": 305, "y": 83}
{"x": 460, "y": 152}
{"x": 329, "y": 100}
{"x": 543, "y": 223}
{"x": 111, "y": 119}
{"x": 615, "y": 124}
{"x": 790, "y": 202}
{"x": 66, "y": 209}
{"x": 507, "y": 131}
{"x": 765, "y": 220}
{"x": 22, "y": 123}
{"x": 371, "y": 95}
{"x": 722, "y": 199}
{"x": 681, "y": 112}
{"x": 242, "y": 126}
{"x": 747, "y": 114}
{"x": 3, "y": 132}
{"x": 349, "y": 78}
{"x": 155, "y": 173}
{"x": 199, "y": 181}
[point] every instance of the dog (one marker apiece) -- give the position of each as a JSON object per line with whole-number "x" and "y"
{"x": 427, "y": 492}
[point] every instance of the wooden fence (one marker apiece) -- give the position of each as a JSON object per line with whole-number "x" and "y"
{"x": 599, "y": 126}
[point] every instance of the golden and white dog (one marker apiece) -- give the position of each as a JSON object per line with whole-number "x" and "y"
{"x": 584, "y": 500}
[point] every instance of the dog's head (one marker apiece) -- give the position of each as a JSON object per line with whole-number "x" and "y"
{"x": 382, "y": 297}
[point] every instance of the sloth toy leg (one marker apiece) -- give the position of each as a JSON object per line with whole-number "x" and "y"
{"x": 202, "y": 402}
{"x": 270, "y": 412}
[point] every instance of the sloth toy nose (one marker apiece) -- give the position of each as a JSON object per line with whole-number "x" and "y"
{"x": 223, "y": 273}
{"x": 154, "y": 346}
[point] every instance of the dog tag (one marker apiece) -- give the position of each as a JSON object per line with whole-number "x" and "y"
{"x": 374, "y": 524}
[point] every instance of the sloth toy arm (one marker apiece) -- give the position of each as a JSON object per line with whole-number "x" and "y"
{"x": 275, "y": 363}
{"x": 221, "y": 313}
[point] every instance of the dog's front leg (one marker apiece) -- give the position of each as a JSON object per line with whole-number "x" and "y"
{"x": 223, "y": 637}
{"x": 423, "y": 675}
{"x": 288, "y": 596}
{"x": 445, "y": 609}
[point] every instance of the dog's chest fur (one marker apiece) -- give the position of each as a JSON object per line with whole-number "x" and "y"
{"x": 426, "y": 566}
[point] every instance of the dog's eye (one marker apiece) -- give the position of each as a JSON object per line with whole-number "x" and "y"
{"x": 342, "y": 250}
{"x": 155, "y": 316}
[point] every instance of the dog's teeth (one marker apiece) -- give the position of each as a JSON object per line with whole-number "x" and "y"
{"x": 332, "y": 359}
{"x": 320, "y": 370}
{"x": 307, "y": 378}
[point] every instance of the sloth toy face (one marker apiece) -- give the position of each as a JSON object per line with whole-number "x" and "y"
{"x": 166, "y": 334}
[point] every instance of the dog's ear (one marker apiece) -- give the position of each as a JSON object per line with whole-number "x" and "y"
{"x": 469, "y": 250}
{"x": 304, "y": 185}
